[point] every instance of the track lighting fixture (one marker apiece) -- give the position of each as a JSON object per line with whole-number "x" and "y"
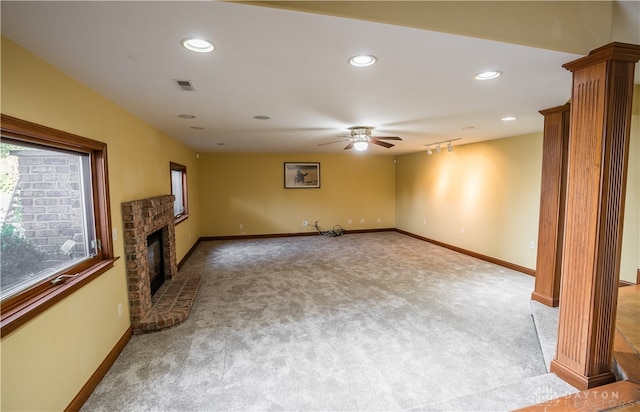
{"x": 438, "y": 146}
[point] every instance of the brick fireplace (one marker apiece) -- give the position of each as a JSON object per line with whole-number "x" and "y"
{"x": 171, "y": 304}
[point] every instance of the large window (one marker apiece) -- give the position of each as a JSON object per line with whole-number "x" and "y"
{"x": 54, "y": 215}
{"x": 179, "y": 190}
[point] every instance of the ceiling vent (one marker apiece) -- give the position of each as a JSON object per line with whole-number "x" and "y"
{"x": 185, "y": 85}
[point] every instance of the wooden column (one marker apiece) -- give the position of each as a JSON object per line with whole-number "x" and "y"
{"x": 552, "y": 202}
{"x": 598, "y": 156}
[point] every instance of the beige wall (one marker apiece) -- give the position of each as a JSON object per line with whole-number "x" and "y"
{"x": 569, "y": 26}
{"x": 630, "y": 261}
{"x": 47, "y": 361}
{"x": 625, "y": 17}
{"x": 490, "y": 190}
{"x": 248, "y": 189}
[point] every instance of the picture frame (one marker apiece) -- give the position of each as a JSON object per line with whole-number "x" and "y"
{"x": 301, "y": 175}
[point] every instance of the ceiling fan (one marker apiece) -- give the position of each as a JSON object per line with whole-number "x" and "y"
{"x": 361, "y": 137}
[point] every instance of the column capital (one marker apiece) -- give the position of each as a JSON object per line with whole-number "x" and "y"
{"x": 558, "y": 109}
{"x": 623, "y": 52}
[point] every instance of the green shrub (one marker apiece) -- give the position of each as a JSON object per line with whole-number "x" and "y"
{"x": 20, "y": 256}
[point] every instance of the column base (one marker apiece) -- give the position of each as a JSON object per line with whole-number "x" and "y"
{"x": 545, "y": 300}
{"x": 579, "y": 381}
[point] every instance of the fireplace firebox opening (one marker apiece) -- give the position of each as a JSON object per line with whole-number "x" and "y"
{"x": 156, "y": 261}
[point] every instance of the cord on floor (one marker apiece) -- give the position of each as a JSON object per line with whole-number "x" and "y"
{"x": 336, "y": 231}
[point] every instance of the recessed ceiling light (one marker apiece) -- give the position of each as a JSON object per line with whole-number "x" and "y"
{"x": 261, "y": 117}
{"x": 197, "y": 45}
{"x": 363, "y": 60}
{"x": 488, "y": 75}
{"x": 508, "y": 118}
{"x": 197, "y": 128}
{"x": 187, "y": 116}
{"x": 468, "y": 127}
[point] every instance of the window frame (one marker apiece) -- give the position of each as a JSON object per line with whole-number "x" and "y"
{"x": 18, "y": 309}
{"x": 185, "y": 202}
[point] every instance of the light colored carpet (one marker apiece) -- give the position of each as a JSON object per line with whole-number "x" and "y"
{"x": 546, "y": 320}
{"x": 376, "y": 321}
{"x": 530, "y": 391}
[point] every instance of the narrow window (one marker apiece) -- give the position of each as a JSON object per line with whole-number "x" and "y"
{"x": 54, "y": 217}
{"x": 179, "y": 190}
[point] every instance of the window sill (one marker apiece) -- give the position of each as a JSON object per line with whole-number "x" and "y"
{"x": 181, "y": 218}
{"x": 23, "y": 312}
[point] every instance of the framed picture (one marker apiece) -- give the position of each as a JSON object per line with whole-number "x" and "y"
{"x": 301, "y": 175}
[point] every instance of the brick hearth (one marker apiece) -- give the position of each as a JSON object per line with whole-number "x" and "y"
{"x": 172, "y": 302}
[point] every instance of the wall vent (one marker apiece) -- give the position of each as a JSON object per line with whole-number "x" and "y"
{"x": 185, "y": 85}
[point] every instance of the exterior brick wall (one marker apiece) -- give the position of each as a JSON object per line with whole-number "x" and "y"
{"x": 47, "y": 203}
{"x": 141, "y": 219}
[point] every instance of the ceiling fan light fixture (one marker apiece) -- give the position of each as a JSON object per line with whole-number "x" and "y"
{"x": 363, "y": 60}
{"x": 197, "y": 45}
{"x": 361, "y": 146}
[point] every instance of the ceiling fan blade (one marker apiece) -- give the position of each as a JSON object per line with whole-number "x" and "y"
{"x": 337, "y": 141}
{"x": 388, "y": 138}
{"x": 381, "y": 143}
{"x": 349, "y": 146}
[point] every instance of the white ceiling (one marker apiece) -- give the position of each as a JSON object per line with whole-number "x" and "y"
{"x": 291, "y": 66}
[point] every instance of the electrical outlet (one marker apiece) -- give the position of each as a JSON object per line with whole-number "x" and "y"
{"x": 115, "y": 234}
{"x": 119, "y": 309}
{"x": 305, "y": 223}
{"x": 461, "y": 230}
{"x": 361, "y": 220}
{"x": 241, "y": 226}
{"x": 424, "y": 221}
{"x": 379, "y": 220}
{"x": 349, "y": 221}
{"x": 532, "y": 244}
